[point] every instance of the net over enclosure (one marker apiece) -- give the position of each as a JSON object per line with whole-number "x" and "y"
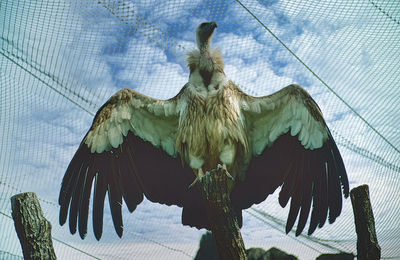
{"x": 61, "y": 60}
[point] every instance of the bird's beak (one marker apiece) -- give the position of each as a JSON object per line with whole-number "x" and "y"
{"x": 214, "y": 25}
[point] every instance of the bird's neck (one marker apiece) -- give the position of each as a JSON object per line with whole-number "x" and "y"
{"x": 204, "y": 47}
{"x": 203, "y": 64}
{"x": 206, "y": 58}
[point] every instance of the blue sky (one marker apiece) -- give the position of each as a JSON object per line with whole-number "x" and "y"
{"x": 81, "y": 51}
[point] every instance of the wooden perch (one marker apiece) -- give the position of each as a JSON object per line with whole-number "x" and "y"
{"x": 221, "y": 215}
{"x": 33, "y": 230}
{"x": 367, "y": 242}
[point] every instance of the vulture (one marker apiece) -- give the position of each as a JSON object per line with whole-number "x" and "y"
{"x": 141, "y": 146}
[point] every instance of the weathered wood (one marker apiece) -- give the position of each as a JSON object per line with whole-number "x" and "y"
{"x": 221, "y": 215}
{"x": 367, "y": 242}
{"x": 33, "y": 229}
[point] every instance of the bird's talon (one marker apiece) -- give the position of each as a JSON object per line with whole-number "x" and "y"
{"x": 199, "y": 175}
{"x": 197, "y": 180}
{"x": 230, "y": 176}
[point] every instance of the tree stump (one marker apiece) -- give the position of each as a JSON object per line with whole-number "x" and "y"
{"x": 33, "y": 230}
{"x": 367, "y": 242}
{"x": 221, "y": 215}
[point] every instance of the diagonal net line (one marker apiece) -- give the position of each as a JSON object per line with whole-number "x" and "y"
{"x": 389, "y": 16}
{"x": 278, "y": 224}
{"x": 319, "y": 78}
{"x": 47, "y": 84}
{"x": 60, "y": 241}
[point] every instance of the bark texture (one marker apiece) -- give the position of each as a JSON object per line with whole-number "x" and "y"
{"x": 367, "y": 242}
{"x": 33, "y": 230}
{"x": 215, "y": 186}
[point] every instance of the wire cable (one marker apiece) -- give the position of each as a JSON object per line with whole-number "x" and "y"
{"x": 320, "y": 79}
{"x": 384, "y": 12}
{"x": 265, "y": 217}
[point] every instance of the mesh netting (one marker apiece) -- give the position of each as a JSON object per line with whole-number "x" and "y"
{"x": 61, "y": 60}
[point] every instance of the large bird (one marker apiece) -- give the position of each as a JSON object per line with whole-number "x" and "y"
{"x": 139, "y": 145}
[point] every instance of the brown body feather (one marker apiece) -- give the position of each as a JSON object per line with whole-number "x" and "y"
{"x": 209, "y": 124}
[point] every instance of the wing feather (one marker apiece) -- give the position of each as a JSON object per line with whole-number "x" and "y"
{"x": 84, "y": 207}
{"x": 306, "y": 193}
{"x": 115, "y": 199}
{"x": 100, "y": 188}
{"x": 296, "y": 194}
{"x": 129, "y": 134}
{"x": 131, "y": 191}
{"x": 323, "y": 195}
{"x": 69, "y": 182}
{"x": 292, "y": 148}
{"x": 334, "y": 191}
{"x": 340, "y": 167}
{"x": 76, "y": 197}
{"x": 318, "y": 170}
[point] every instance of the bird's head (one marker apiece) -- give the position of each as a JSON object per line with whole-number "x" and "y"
{"x": 204, "y": 34}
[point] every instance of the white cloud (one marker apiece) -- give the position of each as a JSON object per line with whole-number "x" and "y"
{"x": 233, "y": 45}
{"x": 147, "y": 69}
{"x": 342, "y": 47}
{"x": 159, "y": 11}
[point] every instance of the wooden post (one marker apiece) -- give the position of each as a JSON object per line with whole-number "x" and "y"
{"x": 221, "y": 215}
{"x": 367, "y": 242}
{"x": 33, "y": 230}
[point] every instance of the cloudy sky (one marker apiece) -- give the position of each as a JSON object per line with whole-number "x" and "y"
{"x": 60, "y": 61}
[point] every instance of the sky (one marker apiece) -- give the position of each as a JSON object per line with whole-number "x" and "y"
{"x": 60, "y": 61}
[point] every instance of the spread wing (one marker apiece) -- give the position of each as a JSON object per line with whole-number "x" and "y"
{"x": 292, "y": 146}
{"x": 128, "y": 151}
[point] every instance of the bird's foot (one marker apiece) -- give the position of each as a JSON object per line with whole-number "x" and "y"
{"x": 199, "y": 175}
{"x": 217, "y": 184}
{"x": 224, "y": 170}
{"x": 197, "y": 180}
